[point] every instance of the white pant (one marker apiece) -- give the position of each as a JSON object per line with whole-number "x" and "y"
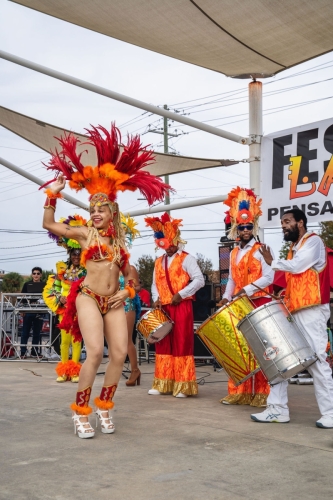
{"x": 313, "y": 321}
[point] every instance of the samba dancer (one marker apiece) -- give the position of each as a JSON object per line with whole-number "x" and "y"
{"x": 95, "y": 302}
{"x": 307, "y": 298}
{"x": 55, "y": 296}
{"x": 247, "y": 268}
{"x": 177, "y": 277}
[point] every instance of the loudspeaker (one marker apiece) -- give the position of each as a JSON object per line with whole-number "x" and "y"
{"x": 202, "y": 303}
{"x": 200, "y": 350}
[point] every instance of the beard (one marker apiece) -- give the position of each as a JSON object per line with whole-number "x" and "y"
{"x": 247, "y": 239}
{"x": 291, "y": 235}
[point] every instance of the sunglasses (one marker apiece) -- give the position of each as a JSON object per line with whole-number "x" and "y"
{"x": 249, "y": 227}
{"x": 36, "y": 273}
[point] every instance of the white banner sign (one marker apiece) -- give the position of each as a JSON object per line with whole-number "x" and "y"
{"x": 297, "y": 172}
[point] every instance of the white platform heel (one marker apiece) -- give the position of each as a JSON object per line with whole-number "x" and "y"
{"x": 82, "y": 429}
{"x": 107, "y": 426}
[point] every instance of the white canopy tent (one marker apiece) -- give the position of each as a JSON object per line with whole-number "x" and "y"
{"x": 43, "y": 135}
{"x": 253, "y": 39}
{"x": 240, "y": 38}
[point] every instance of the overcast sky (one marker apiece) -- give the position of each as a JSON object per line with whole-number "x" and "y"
{"x": 152, "y": 78}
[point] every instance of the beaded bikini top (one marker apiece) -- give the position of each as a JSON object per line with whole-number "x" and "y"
{"x": 98, "y": 251}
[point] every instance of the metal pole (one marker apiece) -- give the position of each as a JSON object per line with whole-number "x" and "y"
{"x": 38, "y": 181}
{"x": 255, "y": 132}
{"x": 122, "y": 98}
{"x": 166, "y": 151}
{"x": 177, "y": 206}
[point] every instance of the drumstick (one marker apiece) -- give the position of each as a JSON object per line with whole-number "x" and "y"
{"x": 275, "y": 297}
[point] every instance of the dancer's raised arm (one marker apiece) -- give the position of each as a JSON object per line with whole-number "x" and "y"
{"x": 49, "y": 223}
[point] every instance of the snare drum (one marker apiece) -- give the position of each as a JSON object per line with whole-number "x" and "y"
{"x": 154, "y": 325}
{"x": 277, "y": 341}
{"x": 220, "y": 335}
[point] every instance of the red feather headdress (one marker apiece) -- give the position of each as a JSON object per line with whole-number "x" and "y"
{"x": 166, "y": 230}
{"x": 115, "y": 171}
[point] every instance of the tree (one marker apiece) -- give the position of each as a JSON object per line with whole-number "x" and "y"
{"x": 205, "y": 264}
{"x": 46, "y": 274}
{"x": 12, "y": 283}
{"x": 284, "y": 250}
{"x": 145, "y": 267}
{"x": 326, "y": 233}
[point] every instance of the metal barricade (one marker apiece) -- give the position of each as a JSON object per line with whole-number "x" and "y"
{"x": 11, "y": 308}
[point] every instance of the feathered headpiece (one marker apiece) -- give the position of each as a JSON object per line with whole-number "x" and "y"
{"x": 128, "y": 224}
{"x": 68, "y": 243}
{"x": 166, "y": 230}
{"x": 115, "y": 171}
{"x": 244, "y": 209}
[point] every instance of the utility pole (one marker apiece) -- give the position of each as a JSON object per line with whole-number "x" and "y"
{"x": 166, "y": 134}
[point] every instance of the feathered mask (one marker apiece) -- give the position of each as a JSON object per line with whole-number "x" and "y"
{"x": 128, "y": 225}
{"x": 166, "y": 230}
{"x": 114, "y": 172}
{"x": 68, "y": 243}
{"x": 244, "y": 209}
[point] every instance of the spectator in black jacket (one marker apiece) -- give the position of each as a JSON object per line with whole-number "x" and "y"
{"x": 32, "y": 320}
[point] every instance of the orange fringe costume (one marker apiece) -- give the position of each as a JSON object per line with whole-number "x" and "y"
{"x": 174, "y": 360}
{"x": 116, "y": 170}
{"x": 245, "y": 210}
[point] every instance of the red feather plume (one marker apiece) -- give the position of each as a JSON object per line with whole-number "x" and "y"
{"x": 128, "y": 164}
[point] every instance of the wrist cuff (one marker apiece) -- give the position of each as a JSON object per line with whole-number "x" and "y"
{"x": 53, "y": 196}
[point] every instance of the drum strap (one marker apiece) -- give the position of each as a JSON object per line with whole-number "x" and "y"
{"x": 167, "y": 276}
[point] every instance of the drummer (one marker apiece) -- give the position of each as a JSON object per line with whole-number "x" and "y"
{"x": 247, "y": 268}
{"x": 177, "y": 277}
{"x": 307, "y": 298}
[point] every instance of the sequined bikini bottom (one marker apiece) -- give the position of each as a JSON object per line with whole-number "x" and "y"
{"x": 102, "y": 301}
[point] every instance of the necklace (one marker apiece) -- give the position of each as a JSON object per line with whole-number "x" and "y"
{"x": 109, "y": 232}
{"x": 72, "y": 273}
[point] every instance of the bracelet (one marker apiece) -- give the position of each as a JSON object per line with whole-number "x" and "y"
{"x": 51, "y": 195}
{"x": 131, "y": 291}
{"x": 51, "y": 199}
{"x": 50, "y": 203}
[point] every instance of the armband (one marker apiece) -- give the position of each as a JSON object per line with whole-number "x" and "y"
{"x": 131, "y": 291}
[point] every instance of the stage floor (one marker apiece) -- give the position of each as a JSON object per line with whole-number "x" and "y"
{"x": 163, "y": 447}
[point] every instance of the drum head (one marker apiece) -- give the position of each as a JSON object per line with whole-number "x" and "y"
{"x": 159, "y": 333}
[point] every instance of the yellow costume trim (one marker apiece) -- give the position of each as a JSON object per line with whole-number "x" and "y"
{"x": 238, "y": 399}
{"x": 163, "y": 386}
{"x": 188, "y": 388}
{"x": 259, "y": 400}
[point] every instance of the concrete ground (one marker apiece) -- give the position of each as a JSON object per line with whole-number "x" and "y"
{"x": 163, "y": 447}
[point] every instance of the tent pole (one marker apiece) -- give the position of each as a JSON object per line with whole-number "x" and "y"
{"x": 122, "y": 98}
{"x": 40, "y": 182}
{"x": 255, "y": 132}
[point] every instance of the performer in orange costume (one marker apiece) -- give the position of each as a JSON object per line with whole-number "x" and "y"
{"x": 95, "y": 302}
{"x": 307, "y": 298}
{"x": 177, "y": 277}
{"x": 247, "y": 268}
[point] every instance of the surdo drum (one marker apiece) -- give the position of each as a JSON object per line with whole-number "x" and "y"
{"x": 227, "y": 344}
{"x": 277, "y": 341}
{"x": 154, "y": 325}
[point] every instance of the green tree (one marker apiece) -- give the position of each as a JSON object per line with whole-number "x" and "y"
{"x": 326, "y": 233}
{"x": 205, "y": 264}
{"x": 46, "y": 274}
{"x": 12, "y": 283}
{"x": 284, "y": 249}
{"x": 145, "y": 267}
